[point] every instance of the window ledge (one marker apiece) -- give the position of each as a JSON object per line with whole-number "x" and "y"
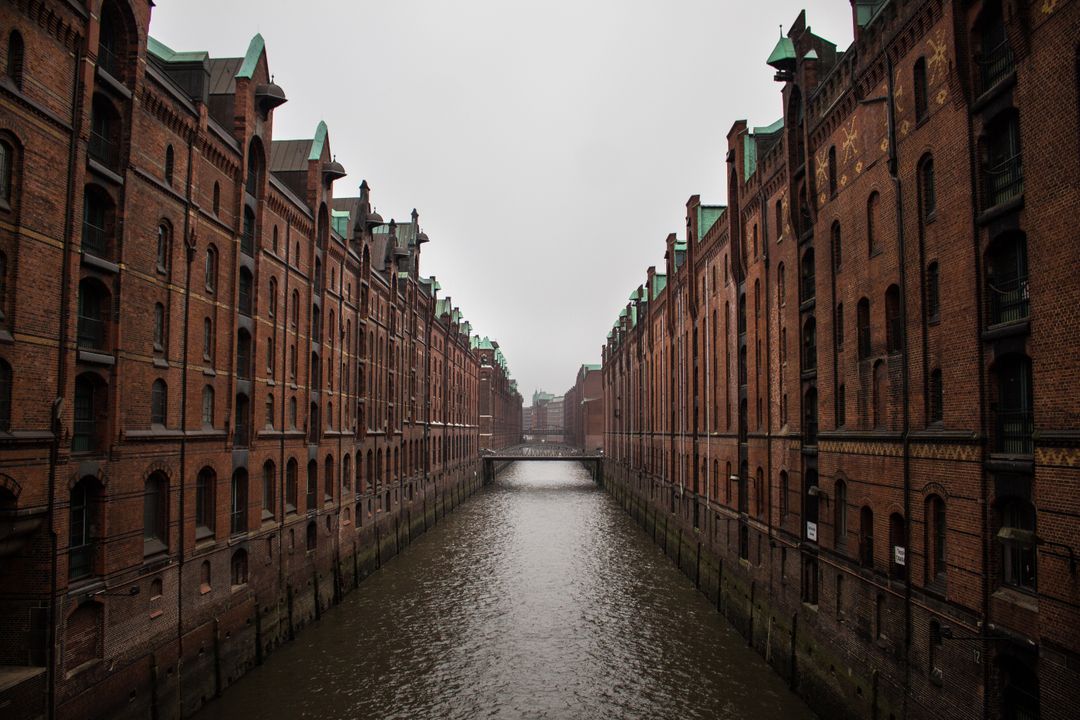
{"x": 1003, "y": 208}
{"x": 160, "y": 362}
{"x": 99, "y": 263}
{"x": 93, "y": 357}
{"x": 1017, "y": 597}
{"x": 1008, "y": 329}
{"x": 986, "y": 96}
{"x": 104, "y": 170}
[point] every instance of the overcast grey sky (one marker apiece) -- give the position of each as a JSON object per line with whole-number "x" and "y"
{"x": 549, "y": 147}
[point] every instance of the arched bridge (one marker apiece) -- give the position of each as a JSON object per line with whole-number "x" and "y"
{"x": 497, "y": 460}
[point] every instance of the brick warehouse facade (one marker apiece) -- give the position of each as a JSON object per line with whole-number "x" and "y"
{"x": 583, "y": 410}
{"x": 847, "y": 405}
{"x": 213, "y": 331}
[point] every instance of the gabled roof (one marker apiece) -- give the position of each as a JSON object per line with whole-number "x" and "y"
{"x": 251, "y": 57}
{"x": 707, "y": 217}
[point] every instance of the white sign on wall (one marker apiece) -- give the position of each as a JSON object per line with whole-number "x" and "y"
{"x": 811, "y": 531}
{"x": 899, "y": 555}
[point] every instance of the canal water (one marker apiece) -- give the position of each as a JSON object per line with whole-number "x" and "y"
{"x": 538, "y": 598}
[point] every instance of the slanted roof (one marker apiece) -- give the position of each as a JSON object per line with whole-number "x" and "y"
{"x": 319, "y": 141}
{"x": 251, "y": 57}
{"x": 707, "y": 217}
{"x": 163, "y": 52}
{"x": 223, "y": 75}
{"x": 659, "y": 283}
{"x": 783, "y": 52}
{"x": 289, "y": 155}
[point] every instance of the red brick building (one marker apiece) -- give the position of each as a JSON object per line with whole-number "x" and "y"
{"x": 846, "y": 405}
{"x": 194, "y": 329}
{"x": 583, "y": 410}
{"x": 500, "y": 401}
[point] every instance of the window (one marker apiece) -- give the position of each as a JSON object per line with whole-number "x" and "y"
{"x": 159, "y": 327}
{"x": 5, "y": 396}
{"x": 836, "y": 246}
{"x": 238, "y": 502}
{"x": 1003, "y": 168}
{"x": 927, "y": 194}
{"x": 275, "y": 239}
{"x": 808, "y": 284}
{"x": 292, "y": 363}
{"x": 159, "y": 398}
{"x": 863, "y": 320}
{"x": 328, "y": 479}
{"x": 83, "y": 528}
{"x": 253, "y": 182}
{"x": 105, "y": 133}
{"x": 1018, "y": 539}
{"x": 295, "y": 309}
{"x": 247, "y": 239}
{"x": 97, "y": 222}
{"x": 897, "y": 547}
{"x": 840, "y": 514}
{"x": 292, "y": 413}
{"x": 245, "y": 289}
{"x": 208, "y": 406}
{"x": 866, "y": 537}
{"x": 312, "y": 536}
{"x": 780, "y": 285}
{"x": 873, "y": 242}
{"x": 270, "y": 410}
{"x": 994, "y": 59}
{"x": 809, "y": 358}
{"x": 1013, "y": 412}
{"x": 312, "y": 484}
{"x": 243, "y": 354}
{"x": 832, "y": 171}
{"x": 935, "y": 538}
{"x": 94, "y": 313}
{"x": 91, "y": 401}
{"x": 210, "y": 275}
{"x": 271, "y": 306}
{"x": 291, "y": 473}
{"x": 155, "y": 514}
{"x": 270, "y": 356}
{"x": 164, "y": 242}
{"x": 935, "y": 397}
{"x": 239, "y": 568}
{"x": 205, "y": 493}
{"x": 784, "y": 490}
{"x": 810, "y": 416}
{"x": 894, "y": 328}
{"x": 919, "y": 85}
{"x": 16, "y": 52}
{"x": 933, "y": 292}
{"x": 1007, "y": 278}
{"x": 7, "y": 161}
{"x": 779, "y": 221}
{"x": 169, "y": 164}
{"x": 242, "y": 434}
{"x": 878, "y": 400}
{"x": 217, "y": 197}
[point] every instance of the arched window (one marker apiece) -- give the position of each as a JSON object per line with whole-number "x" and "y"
{"x": 5, "y": 396}
{"x": 809, "y": 358}
{"x": 866, "y": 537}
{"x": 1003, "y": 169}
{"x": 243, "y": 354}
{"x": 312, "y": 536}
{"x": 205, "y": 494}
{"x": 810, "y": 416}
{"x": 159, "y": 327}
{"x": 164, "y": 245}
{"x": 238, "y": 503}
{"x": 7, "y": 171}
{"x": 919, "y": 85}
{"x": 271, "y": 357}
{"x": 295, "y": 309}
{"x": 15, "y": 55}
{"x": 270, "y": 411}
{"x": 781, "y": 286}
{"x": 779, "y": 222}
{"x": 291, "y": 482}
{"x": 170, "y": 162}
{"x": 113, "y": 41}
{"x": 208, "y": 406}
{"x": 837, "y": 246}
{"x": 239, "y": 568}
{"x": 346, "y": 473}
{"x": 253, "y": 183}
{"x": 1019, "y": 692}
{"x": 155, "y": 514}
{"x": 211, "y": 269}
{"x": 159, "y": 402}
{"x": 863, "y": 321}
{"x": 878, "y": 418}
{"x": 292, "y": 413}
{"x": 217, "y": 198}
{"x": 927, "y": 193}
{"x": 271, "y": 306}
{"x": 83, "y": 527}
{"x": 832, "y": 171}
{"x": 994, "y": 58}
{"x": 873, "y": 207}
{"x": 840, "y": 514}
{"x": 94, "y": 314}
{"x": 894, "y": 327}
{"x": 208, "y": 338}
{"x": 935, "y": 539}
{"x": 105, "y": 133}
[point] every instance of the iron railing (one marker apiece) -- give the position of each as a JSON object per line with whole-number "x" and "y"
{"x": 104, "y": 149}
{"x": 1014, "y": 432}
{"x": 1004, "y": 181}
{"x": 994, "y": 64}
{"x": 1008, "y": 300}
{"x": 95, "y": 239}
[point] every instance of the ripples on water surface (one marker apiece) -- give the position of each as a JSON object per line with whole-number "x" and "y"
{"x": 538, "y": 598}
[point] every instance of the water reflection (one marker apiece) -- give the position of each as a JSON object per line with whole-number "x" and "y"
{"x": 539, "y": 598}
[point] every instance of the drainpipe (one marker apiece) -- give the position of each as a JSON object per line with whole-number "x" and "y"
{"x": 763, "y": 205}
{"x": 905, "y": 372}
{"x": 287, "y": 309}
{"x": 62, "y": 369}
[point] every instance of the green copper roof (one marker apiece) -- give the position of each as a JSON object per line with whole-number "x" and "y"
{"x": 251, "y": 57}
{"x": 707, "y": 217}
{"x": 340, "y": 220}
{"x": 485, "y": 343}
{"x": 164, "y": 52}
{"x": 659, "y": 283}
{"x": 770, "y": 129}
{"x": 784, "y": 51}
{"x": 318, "y": 142}
{"x": 749, "y": 156}
{"x": 593, "y": 367}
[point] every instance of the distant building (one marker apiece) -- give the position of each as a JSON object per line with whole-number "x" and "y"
{"x": 583, "y": 410}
